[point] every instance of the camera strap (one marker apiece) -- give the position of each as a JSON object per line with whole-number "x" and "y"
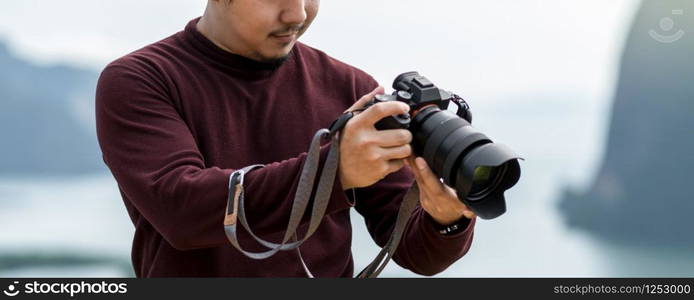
{"x": 235, "y": 212}
{"x": 235, "y": 203}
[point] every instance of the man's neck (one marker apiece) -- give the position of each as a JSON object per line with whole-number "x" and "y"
{"x": 207, "y": 27}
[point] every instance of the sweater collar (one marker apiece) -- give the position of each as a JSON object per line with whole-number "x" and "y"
{"x": 226, "y": 59}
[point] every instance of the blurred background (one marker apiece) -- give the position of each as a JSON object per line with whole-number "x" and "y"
{"x": 598, "y": 96}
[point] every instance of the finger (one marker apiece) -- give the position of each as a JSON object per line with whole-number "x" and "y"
{"x": 419, "y": 178}
{"x": 410, "y": 163}
{"x": 395, "y": 165}
{"x": 366, "y": 99}
{"x": 427, "y": 177}
{"x": 423, "y": 187}
{"x": 379, "y": 111}
{"x": 392, "y": 137}
{"x": 399, "y": 152}
{"x": 469, "y": 214}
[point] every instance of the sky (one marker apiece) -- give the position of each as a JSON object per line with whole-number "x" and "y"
{"x": 485, "y": 43}
{"x": 506, "y": 57}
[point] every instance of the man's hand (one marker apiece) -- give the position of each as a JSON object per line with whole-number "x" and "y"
{"x": 436, "y": 198}
{"x": 367, "y": 155}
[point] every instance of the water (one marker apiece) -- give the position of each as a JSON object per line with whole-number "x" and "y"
{"x": 58, "y": 222}
{"x": 85, "y": 217}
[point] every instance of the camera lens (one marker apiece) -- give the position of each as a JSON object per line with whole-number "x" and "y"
{"x": 484, "y": 180}
{"x": 466, "y": 159}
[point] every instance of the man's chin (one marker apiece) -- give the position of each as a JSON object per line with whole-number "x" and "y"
{"x": 276, "y": 59}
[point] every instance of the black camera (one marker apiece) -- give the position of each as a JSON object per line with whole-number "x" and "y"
{"x": 467, "y": 160}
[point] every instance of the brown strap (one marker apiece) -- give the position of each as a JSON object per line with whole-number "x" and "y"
{"x": 235, "y": 207}
{"x": 303, "y": 262}
{"x": 301, "y": 199}
{"x": 407, "y": 206}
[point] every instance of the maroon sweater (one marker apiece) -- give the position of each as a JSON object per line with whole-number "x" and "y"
{"x": 175, "y": 118}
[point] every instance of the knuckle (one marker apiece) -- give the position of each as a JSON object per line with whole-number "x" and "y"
{"x": 397, "y": 166}
{"x": 360, "y": 141}
{"x": 405, "y": 108}
{"x": 407, "y": 150}
{"x": 374, "y": 156}
{"x": 406, "y": 136}
{"x": 379, "y": 109}
{"x": 367, "y": 141}
{"x": 400, "y": 136}
{"x": 384, "y": 168}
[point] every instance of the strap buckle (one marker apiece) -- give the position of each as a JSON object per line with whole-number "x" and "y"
{"x": 235, "y": 192}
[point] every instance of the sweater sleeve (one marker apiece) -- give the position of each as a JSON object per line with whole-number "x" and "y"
{"x": 423, "y": 249}
{"x": 158, "y": 167}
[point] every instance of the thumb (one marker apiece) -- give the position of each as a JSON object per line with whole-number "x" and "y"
{"x": 366, "y": 99}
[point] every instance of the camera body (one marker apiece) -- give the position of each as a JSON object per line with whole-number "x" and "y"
{"x": 418, "y": 92}
{"x": 467, "y": 160}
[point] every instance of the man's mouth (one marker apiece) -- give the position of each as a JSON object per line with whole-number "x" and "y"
{"x": 285, "y": 34}
{"x": 285, "y": 37}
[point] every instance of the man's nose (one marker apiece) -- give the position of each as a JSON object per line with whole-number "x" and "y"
{"x": 294, "y": 12}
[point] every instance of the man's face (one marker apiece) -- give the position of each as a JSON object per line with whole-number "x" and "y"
{"x": 265, "y": 30}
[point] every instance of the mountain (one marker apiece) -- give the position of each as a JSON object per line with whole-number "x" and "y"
{"x": 642, "y": 193}
{"x": 45, "y": 126}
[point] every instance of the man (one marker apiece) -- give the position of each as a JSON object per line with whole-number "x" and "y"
{"x": 235, "y": 88}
